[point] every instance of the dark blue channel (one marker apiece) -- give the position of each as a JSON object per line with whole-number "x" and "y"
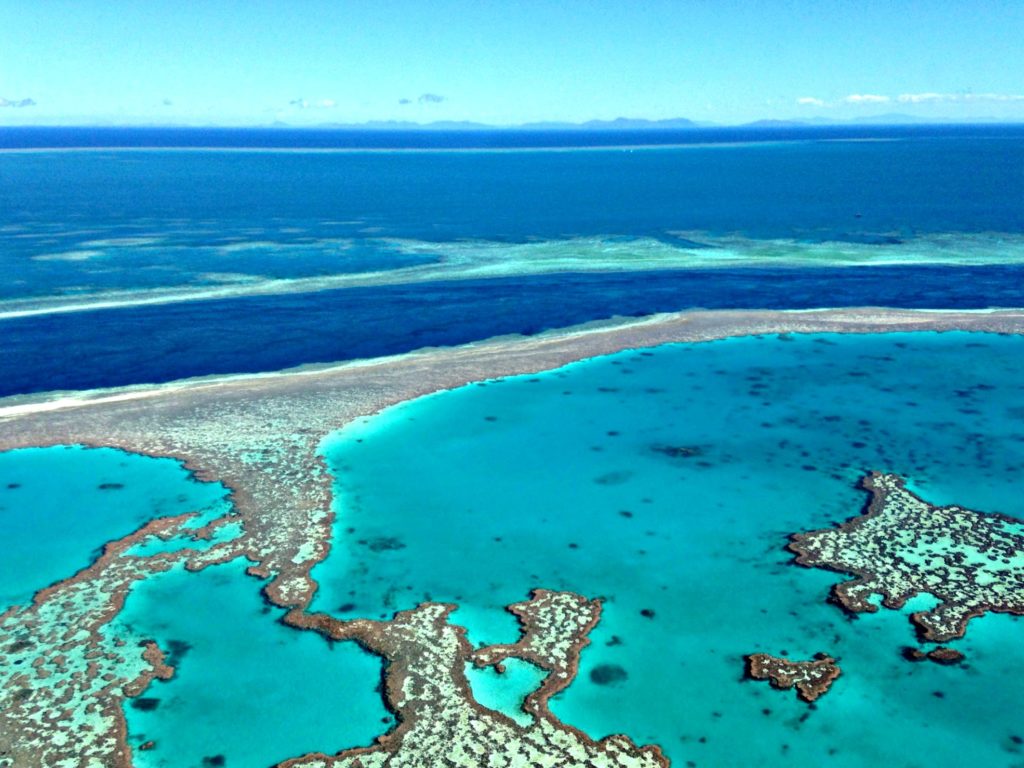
{"x": 152, "y": 344}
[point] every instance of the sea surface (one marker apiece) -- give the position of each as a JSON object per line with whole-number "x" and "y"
{"x": 566, "y": 480}
{"x": 143, "y": 256}
{"x": 148, "y": 255}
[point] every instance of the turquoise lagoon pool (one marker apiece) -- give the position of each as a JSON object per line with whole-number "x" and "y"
{"x": 59, "y": 506}
{"x": 247, "y": 688}
{"x": 226, "y": 701}
{"x": 667, "y": 481}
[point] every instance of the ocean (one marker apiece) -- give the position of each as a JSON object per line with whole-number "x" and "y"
{"x": 665, "y": 482}
{"x": 144, "y": 265}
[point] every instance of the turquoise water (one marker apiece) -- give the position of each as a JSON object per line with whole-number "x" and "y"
{"x": 667, "y": 481}
{"x": 58, "y": 506}
{"x": 505, "y": 691}
{"x": 246, "y": 687}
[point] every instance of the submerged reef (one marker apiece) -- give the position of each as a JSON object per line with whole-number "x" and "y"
{"x": 63, "y": 679}
{"x": 812, "y": 678}
{"x": 441, "y": 723}
{"x": 941, "y": 655}
{"x": 902, "y": 546}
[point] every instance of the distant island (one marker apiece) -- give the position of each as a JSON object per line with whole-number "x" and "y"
{"x": 616, "y": 125}
{"x": 635, "y": 124}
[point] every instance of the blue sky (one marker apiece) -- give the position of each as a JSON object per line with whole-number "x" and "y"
{"x": 237, "y": 62}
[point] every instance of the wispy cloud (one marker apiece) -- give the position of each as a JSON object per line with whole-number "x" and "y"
{"x": 319, "y": 104}
{"x": 424, "y": 98}
{"x": 928, "y": 97}
{"x": 865, "y": 98}
{"x": 963, "y": 98}
{"x": 16, "y": 103}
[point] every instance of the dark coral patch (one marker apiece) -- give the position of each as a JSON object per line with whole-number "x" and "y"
{"x": 607, "y": 674}
{"x": 383, "y": 543}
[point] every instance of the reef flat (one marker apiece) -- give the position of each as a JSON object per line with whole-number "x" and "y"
{"x": 903, "y": 546}
{"x": 812, "y": 679}
{"x": 62, "y": 678}
{"x": 441, "y": 722}
{"x": 260, "y": 437}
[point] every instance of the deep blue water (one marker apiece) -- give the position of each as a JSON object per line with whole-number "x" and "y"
{"x": 36, "y": 137}
{"x": 953, "y": 180}
{"x": 107, "y": 225}
{"x": 161, "y": 343}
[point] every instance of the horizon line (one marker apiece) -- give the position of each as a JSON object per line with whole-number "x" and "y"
{"x": 617, "y": 124}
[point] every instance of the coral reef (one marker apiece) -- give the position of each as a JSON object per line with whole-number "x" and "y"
{"x": 63, "y": 679}
{"x": 440, "y": 723}
{"x": 811, "y": 678}
{"x": 903, "y": 546}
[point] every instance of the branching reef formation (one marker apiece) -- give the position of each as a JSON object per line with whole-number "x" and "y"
{"x": 441, "y": 723}
{"x": 64, "y": 677}
{"x": 903, "y": 546}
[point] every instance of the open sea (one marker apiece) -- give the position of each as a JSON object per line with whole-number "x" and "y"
{"x": 148, "y": 255}
{"x": 220, "y": 251}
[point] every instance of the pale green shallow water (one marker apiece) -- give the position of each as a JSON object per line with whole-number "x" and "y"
{"x": 490, "y": 490}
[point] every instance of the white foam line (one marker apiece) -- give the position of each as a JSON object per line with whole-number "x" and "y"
{"x": 416, "y": 275}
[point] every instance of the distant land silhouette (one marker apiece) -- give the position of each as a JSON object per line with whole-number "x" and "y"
{"x": 639, "y": 124}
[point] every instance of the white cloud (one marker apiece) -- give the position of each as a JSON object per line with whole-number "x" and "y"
{"x": 321, "y": 104}
{"x": 16, "y": 103}
{"x": 927, "y": 97}
{"x": 865, "y": 98}
{"x": 424, "y": 98}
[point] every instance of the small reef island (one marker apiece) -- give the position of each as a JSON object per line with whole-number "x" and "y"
{"x": 903, "y": 546}
{"x": 811, "y": 678}
{"x": 65, "y": 677}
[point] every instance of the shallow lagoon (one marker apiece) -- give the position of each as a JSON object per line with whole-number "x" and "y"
{"x": 228, "y": 698}
{"x": 665, "y": 481}
{"x": 246, "y": 688}
{"x": 573, "y": 480}
{"x": 59, "y": 505}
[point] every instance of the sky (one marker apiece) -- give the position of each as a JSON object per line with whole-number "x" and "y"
{"x": 306, "y": 62}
